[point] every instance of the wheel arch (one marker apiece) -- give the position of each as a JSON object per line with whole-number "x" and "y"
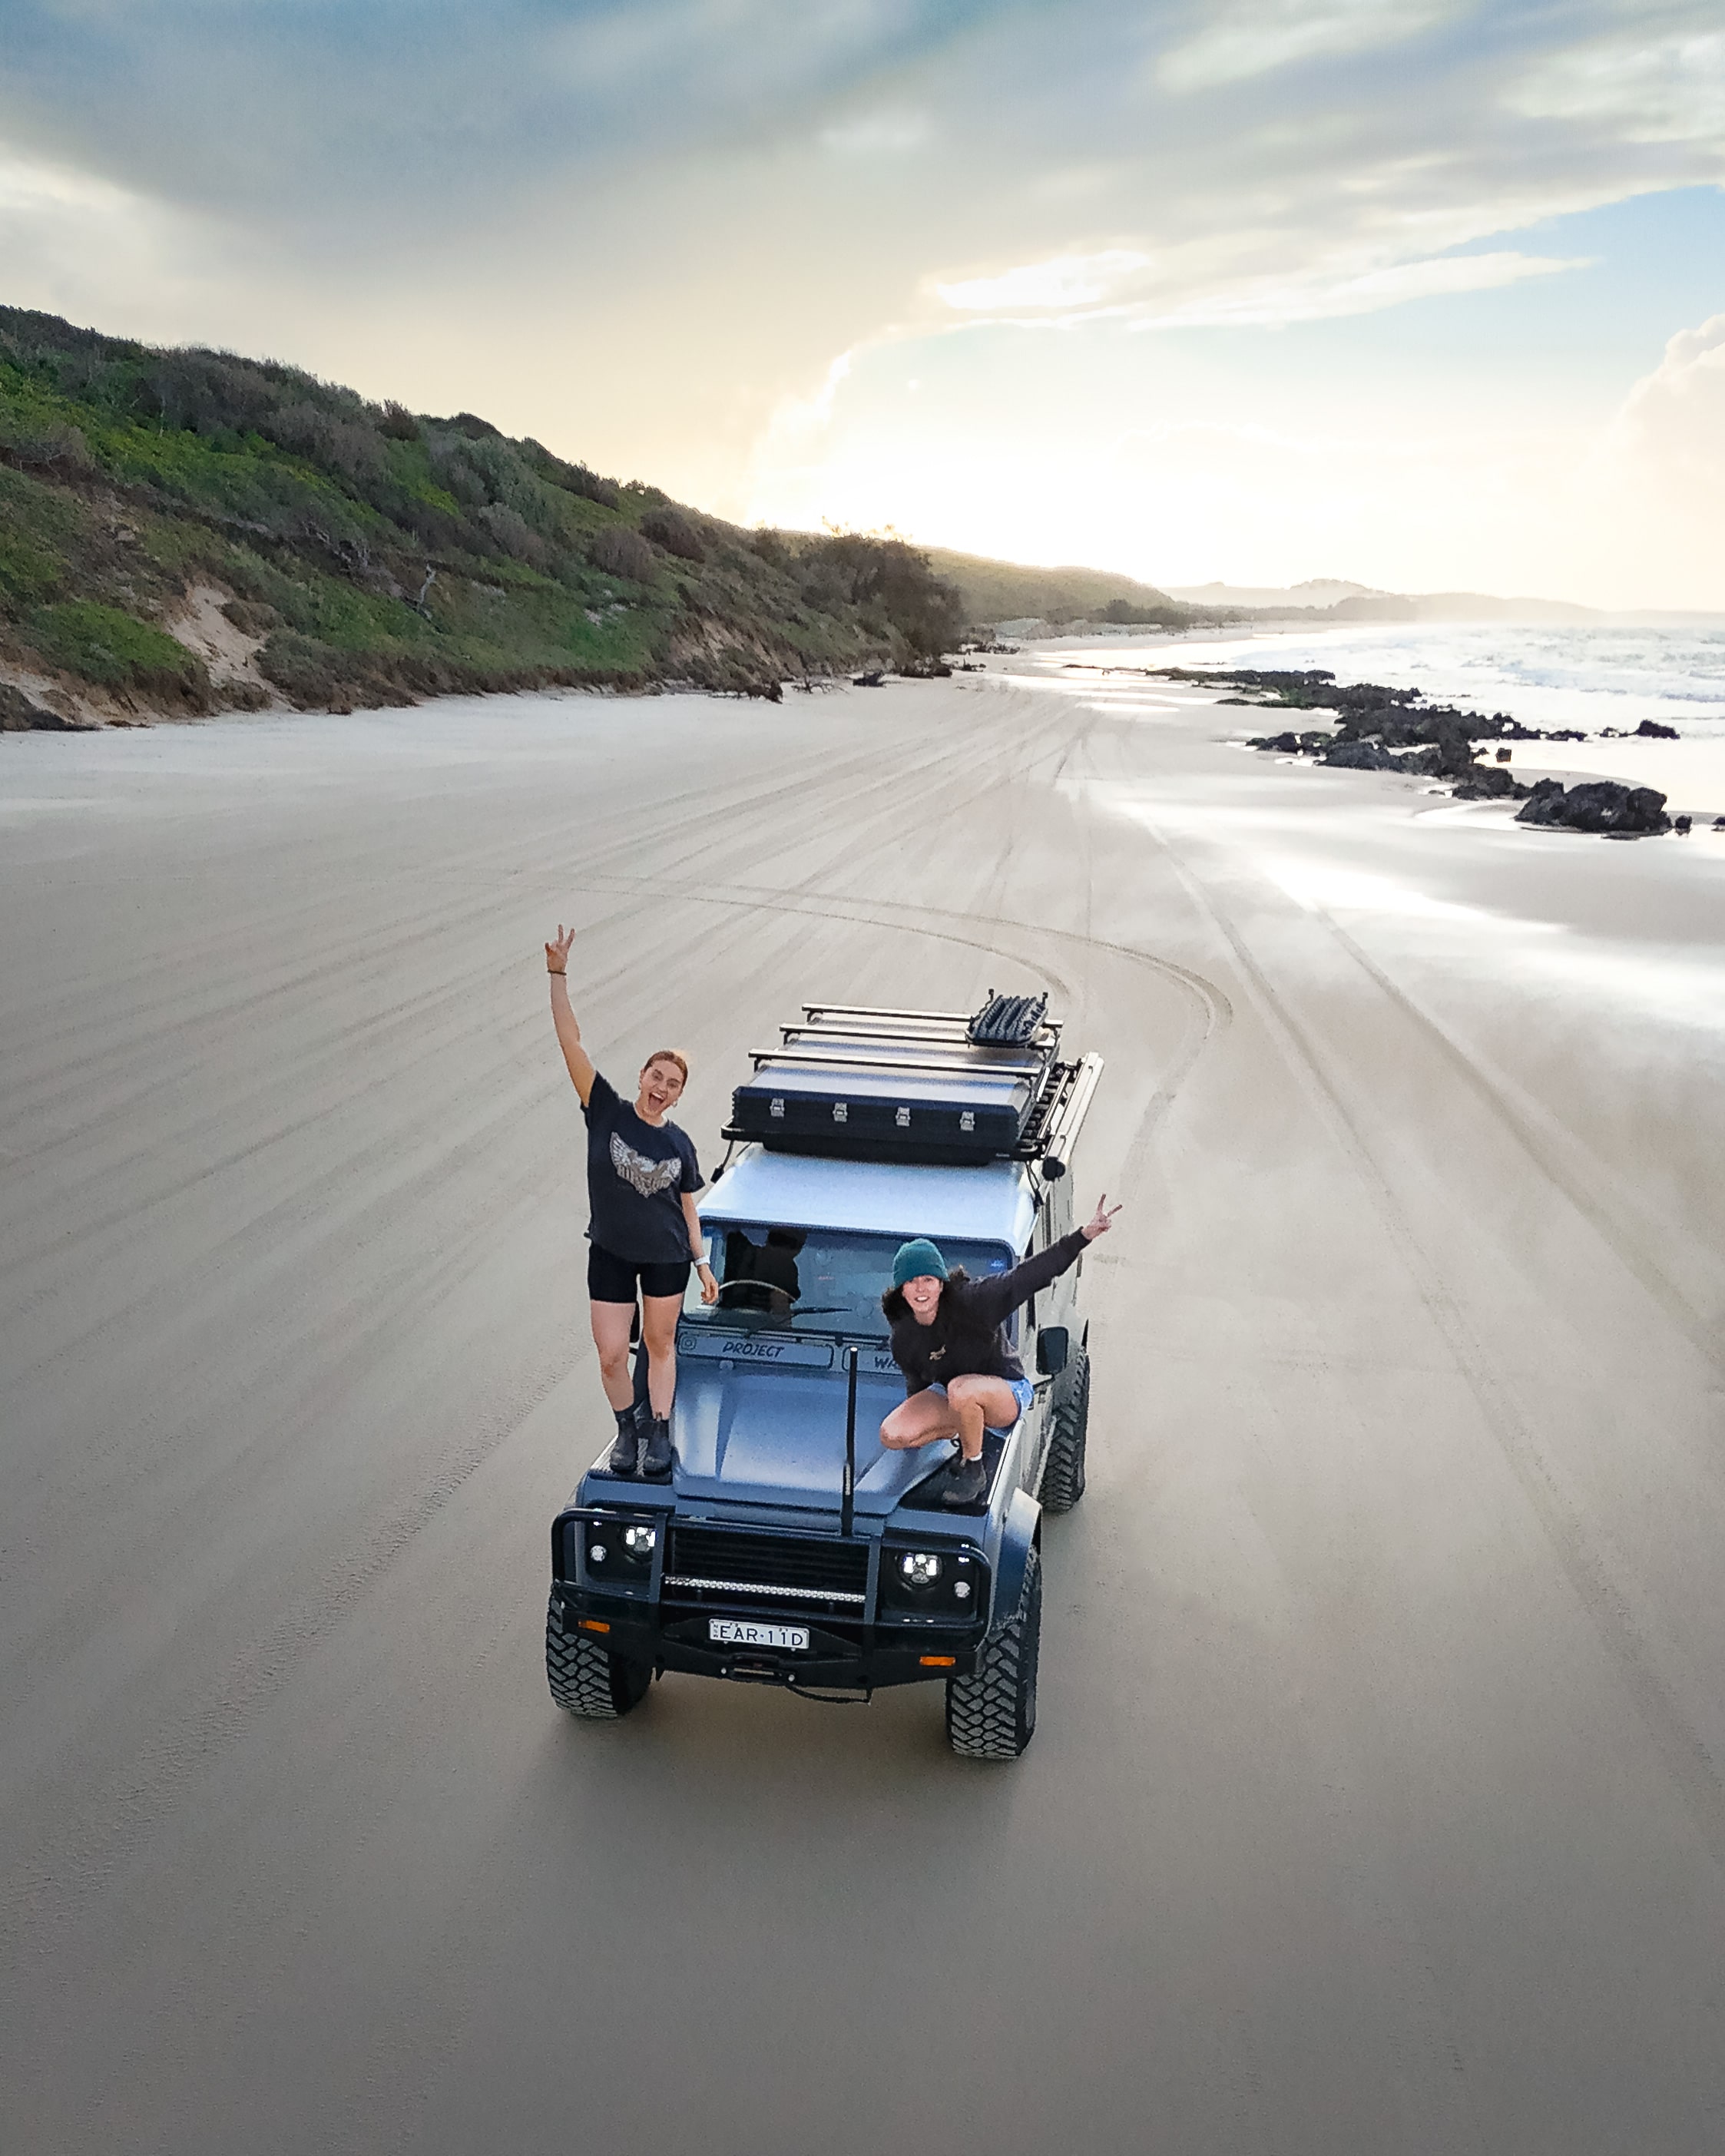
{"x": 1021, "y": 1531}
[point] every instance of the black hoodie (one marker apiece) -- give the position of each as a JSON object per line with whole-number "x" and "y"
{"x": 966, "y": 1340}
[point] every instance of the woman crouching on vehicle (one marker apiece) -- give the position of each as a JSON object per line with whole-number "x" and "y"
{"x": 948, "y": 1337}
{"x": 644, "y": 1233}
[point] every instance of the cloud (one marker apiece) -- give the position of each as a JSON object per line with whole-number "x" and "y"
{"x": 886, "y": 133}
{"x": 1649, "y": 84}
{"x": 1069, "y": 281}
{"x": 643, "y": 229}
{"x": 1320, "y": 298}
{"x": 1264, "y": 35}
{"x": 1661, "y": 463}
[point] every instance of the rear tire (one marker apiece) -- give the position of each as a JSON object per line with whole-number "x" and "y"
{"x": 1063, "y": 1471}
{"x": 586, "y": 1679}
{"x": 993, "y": 1714}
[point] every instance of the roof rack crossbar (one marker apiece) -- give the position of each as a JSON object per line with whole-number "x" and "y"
{"x": 930, "y": 1039}
{"x": 992, "y": 1067}
{"x": 880, "y": 1010}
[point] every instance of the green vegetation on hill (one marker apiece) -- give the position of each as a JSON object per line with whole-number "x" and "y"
{"x": 1007, "y": 591}
{"x": 361, "y": 554}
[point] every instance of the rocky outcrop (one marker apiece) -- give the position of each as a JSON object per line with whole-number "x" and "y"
{"x": 1488, "y": 782}
{"x": 1600, "y": 805}
{"x": 1291, "y": 744}
{"x": 1360, "y": 756}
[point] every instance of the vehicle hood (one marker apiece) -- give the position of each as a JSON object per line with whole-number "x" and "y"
{"x": 777, "y": 1437}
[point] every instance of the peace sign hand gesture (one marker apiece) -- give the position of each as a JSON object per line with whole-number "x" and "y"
{"x": 557, "y": 951}
{"x": 1102, "y": 1221}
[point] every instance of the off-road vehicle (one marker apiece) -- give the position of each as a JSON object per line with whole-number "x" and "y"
{"x": 788, "y": 1546}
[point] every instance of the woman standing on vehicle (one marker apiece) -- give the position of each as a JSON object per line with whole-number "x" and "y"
{"x": 948, "y": 1337}
{"x": 645, "y": 1233}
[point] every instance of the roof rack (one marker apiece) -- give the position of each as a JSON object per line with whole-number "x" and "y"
{"x": 869, "y": 1081}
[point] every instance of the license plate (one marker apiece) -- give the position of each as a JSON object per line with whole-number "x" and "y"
{"x": 739, "y": 1632}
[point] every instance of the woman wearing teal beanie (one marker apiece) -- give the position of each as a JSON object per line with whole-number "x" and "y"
{"x": 961, "y": 1376}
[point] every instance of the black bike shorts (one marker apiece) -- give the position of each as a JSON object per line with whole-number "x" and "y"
{"x": 612, "y": 1279}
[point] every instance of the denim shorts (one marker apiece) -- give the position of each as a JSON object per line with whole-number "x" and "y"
{"x": 1023, "y": 1391}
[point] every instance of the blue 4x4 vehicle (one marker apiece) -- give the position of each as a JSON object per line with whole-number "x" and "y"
{"x": 788, "y": 1546}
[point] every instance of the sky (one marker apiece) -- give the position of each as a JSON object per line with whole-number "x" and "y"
{"x": 1430, "y": 294}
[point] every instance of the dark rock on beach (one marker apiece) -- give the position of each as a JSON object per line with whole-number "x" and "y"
{"x": 1651, "y": 730}
{"x": 1360, "y": 756}
{"x": 1600, "y": 805}
{"x": 1312, "y": 743}
{"x": 1489, "y": 781}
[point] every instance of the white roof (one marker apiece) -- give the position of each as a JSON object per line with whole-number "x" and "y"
{"x": 993, "y": 1203}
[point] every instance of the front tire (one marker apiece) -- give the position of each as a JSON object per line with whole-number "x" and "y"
{"x": 1063, "y": 1471}
{"x": 993, "y": 1714}
{"x": 585, "y": 1679}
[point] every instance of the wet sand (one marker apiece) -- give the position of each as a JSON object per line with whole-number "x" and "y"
{"x": 1377, "y": 1800}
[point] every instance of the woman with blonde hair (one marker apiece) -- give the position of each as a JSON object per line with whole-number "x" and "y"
{"x": 644, "y": 1234}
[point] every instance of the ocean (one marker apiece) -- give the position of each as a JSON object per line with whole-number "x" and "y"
{"x": 1594, "y": 678}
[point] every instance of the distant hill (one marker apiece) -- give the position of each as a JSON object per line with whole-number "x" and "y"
{"x": 185, "y": 530}
{"x": 1339, "y": 601}
{"x": 1315, "y": 592}
{"x": 1010, "y": 591}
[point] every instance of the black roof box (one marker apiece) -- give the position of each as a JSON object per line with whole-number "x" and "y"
{"x": 857, "y": 1082}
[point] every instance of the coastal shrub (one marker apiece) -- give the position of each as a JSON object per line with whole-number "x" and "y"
{"x": 572, "y": 479}
{"x": 340, "y": 445}
{"x": 53, "y": 447}
{"x": 512, "y": 534}
{"x": 671, "y": 529}
{"x": 621, "y": 552}
{"x": 1132, "y": 612}
{"x": 115, "y": 650}
{"x": 326, "y": 513}
{"x": 252, "y": 616}
{"x": 892, "y": 582}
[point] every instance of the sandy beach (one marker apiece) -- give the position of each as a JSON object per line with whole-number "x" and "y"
{"x": 1378, "y": 1801}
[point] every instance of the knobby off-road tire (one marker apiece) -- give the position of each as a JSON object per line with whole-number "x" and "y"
{"x": 1063, "y": 1471}
{"x": 585, "y": 1679}
{"x": 993, "y": 1715}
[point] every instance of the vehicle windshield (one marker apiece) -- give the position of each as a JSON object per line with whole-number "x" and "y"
{"x": 811, "y": 1280}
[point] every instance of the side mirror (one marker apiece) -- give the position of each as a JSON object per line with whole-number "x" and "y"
{"x": 1054, "y": 1343}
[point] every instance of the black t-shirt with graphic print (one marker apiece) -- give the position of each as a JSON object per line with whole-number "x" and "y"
{"x": 636, "y": 1176}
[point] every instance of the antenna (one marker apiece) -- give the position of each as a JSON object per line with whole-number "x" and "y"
{"x": 848, "y": 1490}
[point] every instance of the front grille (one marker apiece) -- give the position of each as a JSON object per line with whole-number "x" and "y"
{"x": 703, "y": 1562}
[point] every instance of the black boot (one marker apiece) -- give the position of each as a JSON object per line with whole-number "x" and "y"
{"x": 967, "y": 1483}
{"x": 625, "y": 1454}
{"x": 656, "y": 1452}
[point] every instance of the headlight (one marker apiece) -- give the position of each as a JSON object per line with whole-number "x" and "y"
{"x": 933, "y": 1586}
{"x": 620, "y": 1552}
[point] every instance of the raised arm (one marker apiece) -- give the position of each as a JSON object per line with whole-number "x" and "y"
{"x": 996, "y": 1297}
{"x": 562, "y": 1014}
